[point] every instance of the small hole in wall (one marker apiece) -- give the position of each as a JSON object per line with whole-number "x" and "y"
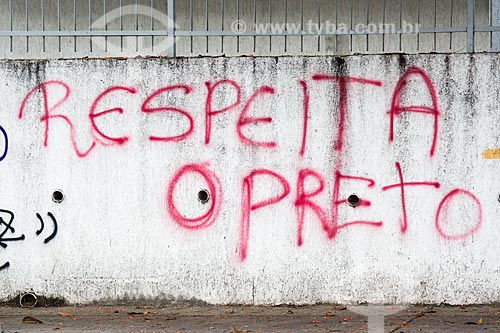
{"x": 204, "y": 196}
{"x": 57, "y": 196}
{"x": 353, "y": 200}
{"x": 28, "y": 300}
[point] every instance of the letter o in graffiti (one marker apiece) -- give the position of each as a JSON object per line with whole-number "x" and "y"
{"x": 442, "y": 210}
{"x": 6, "y": 148}
{"x": 214, "y": 188}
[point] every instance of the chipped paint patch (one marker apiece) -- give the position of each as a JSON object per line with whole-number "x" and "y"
{"x": 491, "y": 154}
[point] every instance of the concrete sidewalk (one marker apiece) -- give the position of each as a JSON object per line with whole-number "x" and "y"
{"x": 242, "y": 319}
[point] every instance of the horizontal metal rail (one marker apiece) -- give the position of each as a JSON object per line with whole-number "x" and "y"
{"x": 204, "y": 33}
{"x": 83, "y": 33}
{"x": 319, "y": 33}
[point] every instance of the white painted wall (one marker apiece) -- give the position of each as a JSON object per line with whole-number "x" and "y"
{"x": 115, "y": 239}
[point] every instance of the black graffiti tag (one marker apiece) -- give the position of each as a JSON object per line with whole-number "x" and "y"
{"x": 7, "y": 227}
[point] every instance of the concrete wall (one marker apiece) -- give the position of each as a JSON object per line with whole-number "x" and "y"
{"x": 132, "y": 223}
{"x": 427, "y": 13}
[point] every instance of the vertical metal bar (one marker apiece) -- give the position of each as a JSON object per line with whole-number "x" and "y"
{"x": 222, "y": 26}
{"x": 435, "y": 26}
{"x": 383, "y": 24}
{"x": 336, "y": 24}
{"x": 171, "y": 28}
{"x": 136, "y": 25}
{"x": 59, "y": 22}
{"x": 105, "y": 26}
{"x": 26, "y": 15}
{"x": 318, "y": 8}
{"x": 74, "y": 24}
{"x": 43, "y": 23}
{"x": 418, "y": 23}
{"x": 90, "y": 23}
{"x": 286, "y": 25}
{"x": 121, "y": 26}
{"x": 490, "y": 20}
{"x": 367, "y": 24}
{"x": 301, "y": 26}
{"x": 451, "y": 24}
{"x": 400, "y": 23}
{"x": 151, "y": 5}
{"x": 11, "y": 23}
{"x": 254, "y": 24}
{"x": 191, "y": 23}
{"x": 206, "y": 23}
{"x": 495, "y": 22}
{"x": 270, "y": 22}
{"x": 350, "y": 35}
{"x": 238, "y": 18}
{"x": 470, "y": 26}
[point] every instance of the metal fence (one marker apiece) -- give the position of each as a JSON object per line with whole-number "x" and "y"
{"x": 96, "y": 28}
